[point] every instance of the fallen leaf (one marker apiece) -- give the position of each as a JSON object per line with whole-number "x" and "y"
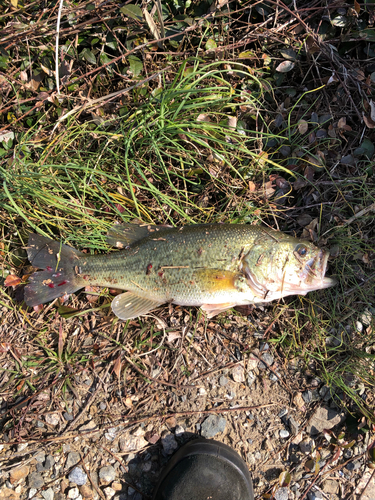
{"x": 303, "y": 126}
{"x": 285, "y": 66}
{"x": 369, "y": 122}
{"x": 117, "y": 366}
{"x": 12, "y": 280}
{"x": 39, "y": 308}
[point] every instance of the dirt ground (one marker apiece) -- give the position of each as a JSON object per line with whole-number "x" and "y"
{"x": 109, "y": 437}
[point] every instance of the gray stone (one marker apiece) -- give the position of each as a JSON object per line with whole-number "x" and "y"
{"x": 169, "y": 444}
{"x": 179, "y": 431}
{"x": 325, "y": 393}
{"x": 283, "y": 412}
{"x": 107, "y": 474}
{"x": 35, "y": 480}
{"x": 314, "y": 495}
{"x": 111, "y": 433}
{"x": 282, "y": 494}
{"x": 73, "y": 458}
{"x": 223, "y": 381}
{"x": 68, "y": 416}
{"x": 310, "y": 396}
{"x": 48, "y": 494}
{"x": 306, "y": 446}
{"x": 324, "y": 418}
{"x": 214, "y": 424}
{"x": 49, "y": 463}
{"x": 40, "y": 458}
{"x": 103, "y": 406}
{"x": 251, "y": 378}
{"x": 268, "y": 360}
{"x": 284, "y": 434}
{"x": 294, "y": 425}
{"x": 78, "y": 476}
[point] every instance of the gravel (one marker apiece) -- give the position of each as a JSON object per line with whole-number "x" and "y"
{"x": 78, "y": 476}
{"x": 214, "y": 424}
{"x": 107, "y": 474}
{"x": 73, "y": 458}
{"x": 35, "y": 480}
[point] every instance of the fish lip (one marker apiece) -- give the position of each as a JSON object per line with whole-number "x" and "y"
{"x": 314, "y": 272}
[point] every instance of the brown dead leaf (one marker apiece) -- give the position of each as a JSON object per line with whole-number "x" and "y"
{"x": 232, "y": 122}
{"x": 368, "y": 121}
{"x": 252, "y": 186}
{"x": 94, "y": 295}
{"x": 372, "y": 107}
{"x": 12, "y": 280}
{"x": 303, "y": 126}
{"x": 117, "y": 366}
{"x": 203, "y": 118}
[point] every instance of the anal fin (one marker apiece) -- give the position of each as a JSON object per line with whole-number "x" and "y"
{"x": 214, "y": 309}
{"x": 128, "y": 305}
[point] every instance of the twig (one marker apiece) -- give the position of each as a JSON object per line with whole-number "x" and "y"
{"x": 57, "y": 47}
{"x": 89, "y": 402}
{"x": 98, "y": 490}
{"x": 139, "y": 421}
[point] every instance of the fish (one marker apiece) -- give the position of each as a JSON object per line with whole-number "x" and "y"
{"x": 212, "y": 266}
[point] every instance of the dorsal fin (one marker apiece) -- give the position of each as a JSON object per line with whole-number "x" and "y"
{"x": 124, "y": 235}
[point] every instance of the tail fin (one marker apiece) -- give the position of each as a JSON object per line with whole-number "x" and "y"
{"x": 61, "y": 271}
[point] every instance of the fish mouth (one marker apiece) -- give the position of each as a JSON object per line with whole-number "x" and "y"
{"x": 313, "y": 273}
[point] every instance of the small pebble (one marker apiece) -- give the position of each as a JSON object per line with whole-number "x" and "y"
{"x": 268, "y": 359}
{"x": 52, "y": 419}
{"x": 283, "y": 412}
{"x": 223, "y": 381}
{"x": 49, "y": 463}
{"x": 103, "y": 406}
{"x": 73, "y": 494}
{"x": 109, "y": 492}
{"x": 284, "y": 434}
{"x": 179, "y": 431}
{"x": 107, "y": 474}
{"x": 169, "y": 444}
{"x": 35, "y": 480}
{"x": 78, "y": 476}
{"x": 213, "y": 424}
{"x": 73, "y": 458}
{"x": 282, "y": 494}
{"x": 68, "y": 416}
{"x": 48, "y": 494}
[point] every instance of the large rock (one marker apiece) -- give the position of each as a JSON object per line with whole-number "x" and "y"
{"x": 324, "y": 418}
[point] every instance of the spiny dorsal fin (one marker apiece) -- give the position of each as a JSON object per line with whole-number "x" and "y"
{"x": 124, "y": 235}
{"x": 128, "y": 305}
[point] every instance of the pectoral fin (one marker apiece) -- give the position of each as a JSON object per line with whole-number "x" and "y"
{"x": 128, "y": 305}
{"x": 214, "y": 309}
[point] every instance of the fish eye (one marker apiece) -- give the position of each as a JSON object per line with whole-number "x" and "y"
{"x": 301, "y": 250}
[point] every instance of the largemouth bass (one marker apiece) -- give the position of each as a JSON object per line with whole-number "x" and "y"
{"x": 214, "y": 266}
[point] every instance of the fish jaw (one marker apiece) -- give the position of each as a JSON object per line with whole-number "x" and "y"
{"x": 313, "y": 273}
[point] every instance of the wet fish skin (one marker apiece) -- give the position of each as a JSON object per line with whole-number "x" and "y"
{"x": 215, "y": 266}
